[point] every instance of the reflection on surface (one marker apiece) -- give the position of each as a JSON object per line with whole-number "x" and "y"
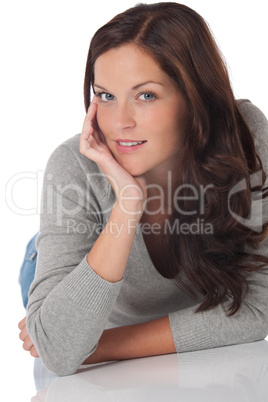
{"x": 234, "y": 374}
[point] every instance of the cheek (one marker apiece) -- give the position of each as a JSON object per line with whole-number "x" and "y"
{"x": 151, "y": 116}
{"x": 103, "y": 120}
{"x": 163, "y": 118}
{"x": 167, "y": 125}
{"x": 176, "y": 122}
{"x": 173, "y": 128}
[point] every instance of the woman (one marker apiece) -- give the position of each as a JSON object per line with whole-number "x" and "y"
{"x": 148, "y": 240}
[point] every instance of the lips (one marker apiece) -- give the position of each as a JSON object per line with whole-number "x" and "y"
{"x": 128, "y": 145}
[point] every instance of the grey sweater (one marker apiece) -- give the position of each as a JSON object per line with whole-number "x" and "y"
{"x": 70, "y": 305}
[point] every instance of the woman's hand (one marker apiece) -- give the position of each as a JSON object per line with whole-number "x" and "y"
{"x": 24, "y": 337}
{"x": 93, "y": 145}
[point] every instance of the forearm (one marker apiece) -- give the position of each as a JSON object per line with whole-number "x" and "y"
{"x": 83, "y": 299}
{"x": 108, "y": 257}
{"x": 133, "y": 341}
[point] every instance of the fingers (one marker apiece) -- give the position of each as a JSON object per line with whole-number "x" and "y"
{"x": 29, "y": 347}
{"x": 92, "y": 142}
{"x": 87, "y": 141}
{"x": 90, "y": 116}
{"x": 23, "y": 334}
{"x": 27, "y": 344}
{"x": 89, "y": 148}
{"x": 24, "y": 337}
{"x": 22, "y": 323}
{"x": 33, "y": 352}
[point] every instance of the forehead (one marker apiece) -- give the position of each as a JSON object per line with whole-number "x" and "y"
{"x": 127, "y": 63}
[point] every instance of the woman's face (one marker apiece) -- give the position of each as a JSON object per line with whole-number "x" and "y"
{"x": 140, "y": 111}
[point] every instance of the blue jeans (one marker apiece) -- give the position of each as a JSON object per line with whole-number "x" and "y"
{"x": 27, "y": 269}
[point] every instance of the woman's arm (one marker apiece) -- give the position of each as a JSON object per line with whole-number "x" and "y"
{"x": 146, "y": 339}
{"x": 108, "y": 257}
{"x": 150, "y": 338}
{"x": 80, "y": 270}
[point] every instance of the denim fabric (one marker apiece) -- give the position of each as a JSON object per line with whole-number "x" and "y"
{"x": 27, "y": 269}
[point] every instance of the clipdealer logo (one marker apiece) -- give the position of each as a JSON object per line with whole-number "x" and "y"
{"x": 258, "y": 216}
{"x": 54, "y": 198}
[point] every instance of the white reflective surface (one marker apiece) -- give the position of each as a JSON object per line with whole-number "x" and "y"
{"x": 233, "y": 374}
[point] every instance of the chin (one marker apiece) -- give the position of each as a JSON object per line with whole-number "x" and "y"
{"x": 133, "y": 170}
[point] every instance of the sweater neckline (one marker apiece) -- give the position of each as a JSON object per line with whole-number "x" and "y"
{"x": 142, "y": 249}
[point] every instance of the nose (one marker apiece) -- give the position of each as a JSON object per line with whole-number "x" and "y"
{"x": 124, "y": 116}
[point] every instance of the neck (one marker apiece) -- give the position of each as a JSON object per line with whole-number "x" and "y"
{"x": 161, "y": 186}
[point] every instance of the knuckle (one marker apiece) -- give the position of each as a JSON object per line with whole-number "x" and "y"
{"x": 82, "y": 148}
{"x": 25, "y": 347}
{"x": 33, "y": 352}
{"x": 22, "y": 323}
{"x": 27, "y": 344}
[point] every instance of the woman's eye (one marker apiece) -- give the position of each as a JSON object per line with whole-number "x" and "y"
{"x": 147, "y": 96}
{"x": 105, "y": 96}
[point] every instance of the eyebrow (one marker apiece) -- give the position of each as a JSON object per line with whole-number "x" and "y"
{"x": 135, "y": 87}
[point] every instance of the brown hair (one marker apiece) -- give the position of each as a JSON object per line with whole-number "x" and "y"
{"x": 218, "y": 148}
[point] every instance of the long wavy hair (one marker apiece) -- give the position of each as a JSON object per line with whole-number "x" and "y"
{"x": 218, "y": 152}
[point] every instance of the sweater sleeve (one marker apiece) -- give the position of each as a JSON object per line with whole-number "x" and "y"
{"x": 69, "y": 304}
{"x": 213, "y": 328}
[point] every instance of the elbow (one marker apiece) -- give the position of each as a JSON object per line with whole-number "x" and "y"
{"x": 62, "y": 365}
{"x": 59, "y": 368}
{"x": 50, "y": 352}
{"x": 258, "y": 330}
{"x": 261, "y": 330}
{"x": 58, "y": 356}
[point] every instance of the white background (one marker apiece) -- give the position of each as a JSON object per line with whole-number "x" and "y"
{"x": 44, "y": 47}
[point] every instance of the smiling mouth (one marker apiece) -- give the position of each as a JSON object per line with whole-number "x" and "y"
{"x": 128, "y": 146}
{"x": 130, "y": 143}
